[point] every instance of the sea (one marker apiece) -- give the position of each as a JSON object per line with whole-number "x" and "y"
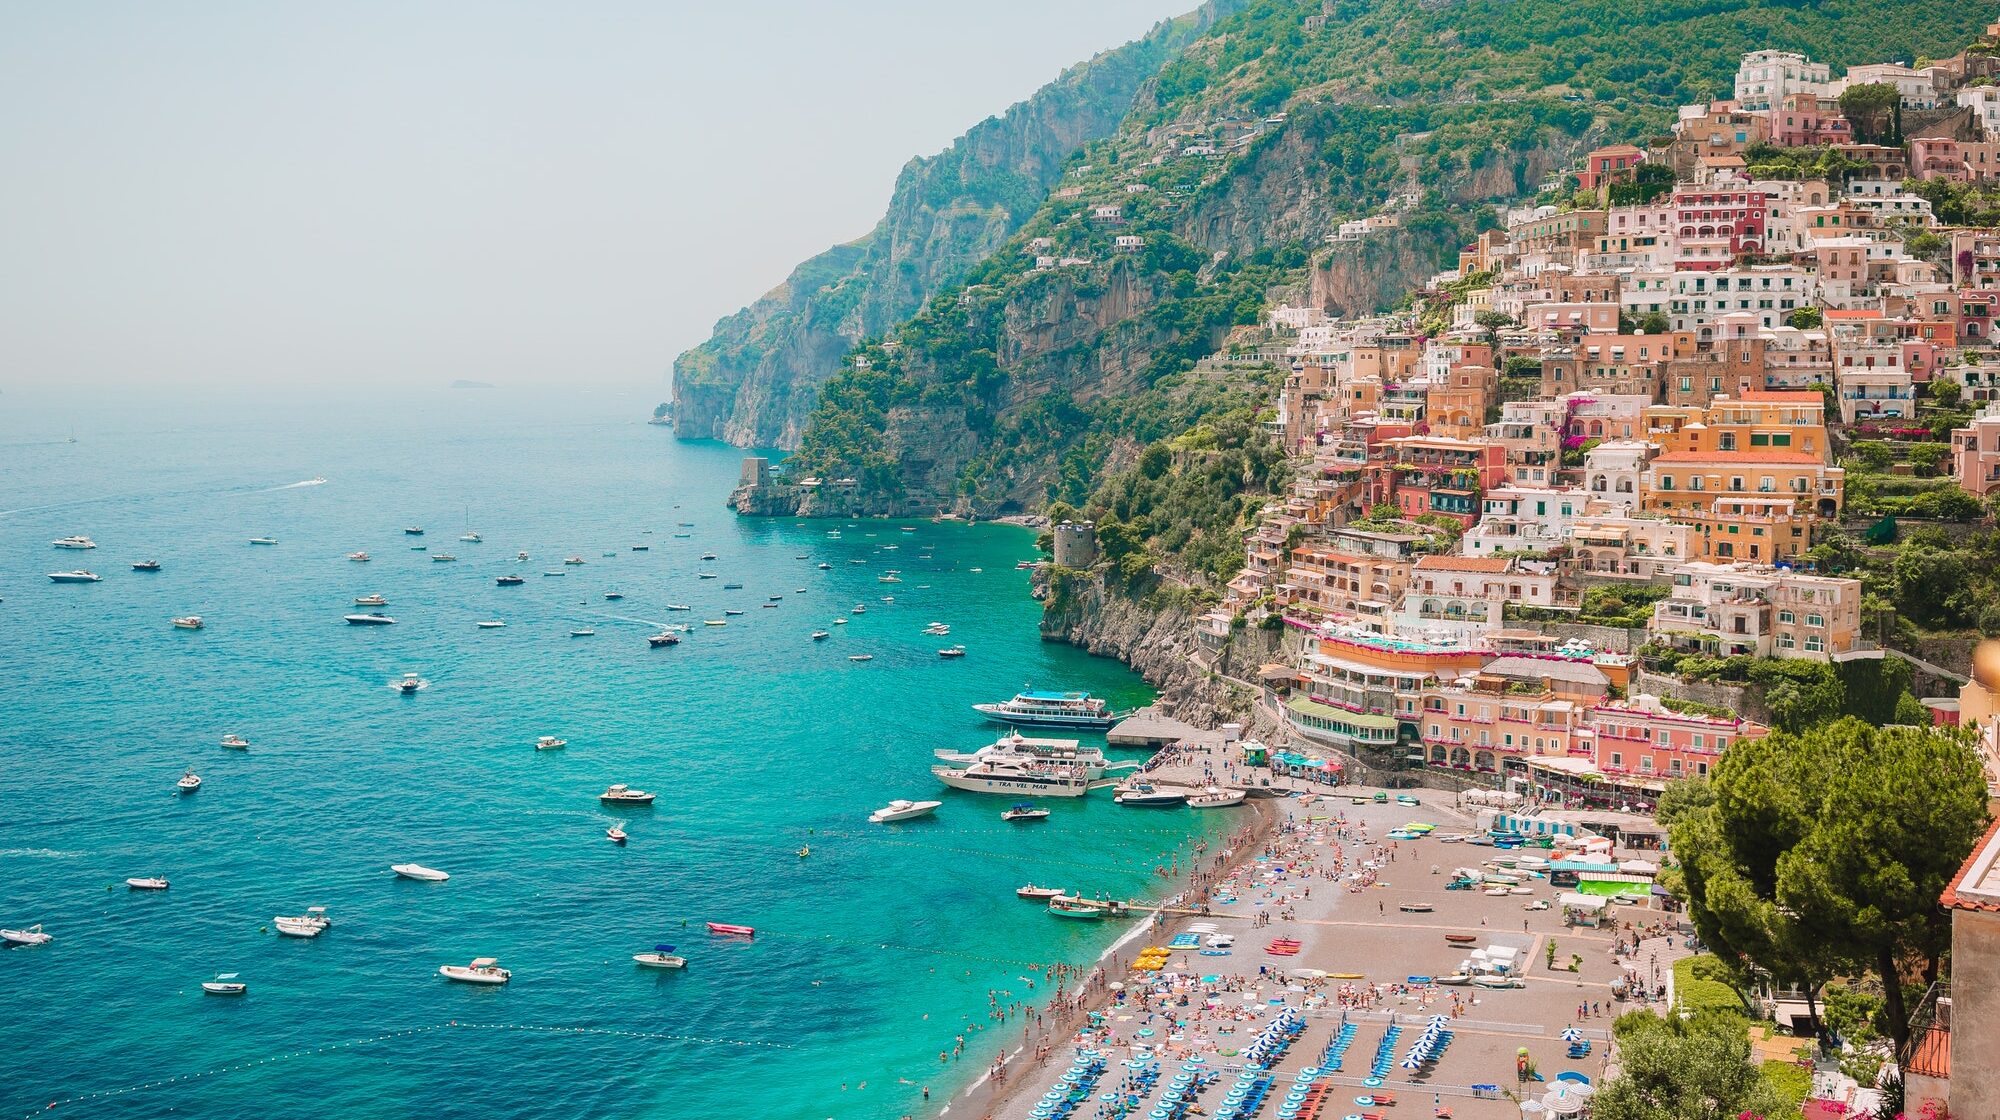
{"x": 873, "y": 955}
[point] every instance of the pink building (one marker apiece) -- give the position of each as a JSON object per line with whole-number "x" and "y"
{"x": 1937, "y": 157}
{"x": 1612, "y": 164}
{"x": 1641, "y": 738}
{"x": 1716, "y": 225}
{"x": 1975, "y": 453}
{"x": 1808, "y": 120}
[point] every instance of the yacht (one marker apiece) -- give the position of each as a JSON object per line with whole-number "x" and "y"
{"x": 622, "y": 794}
{"x": 370, "y": 601}
{"x": 585, "y": 632}
{"x": 312, "y": 923}
{"x": 419, "y": 872}
{"x": 1145, "y": 795}
{"x": 414, "y": 531}
{"x": 78, "y": 542}
{"x": 550, "y": 743}
{"x": 490, "y": 624}
{"x": 705, "y": 575}
{"x": 1016, "y": 776}
{"x": 78, "y": 576}
{"x": 264, "y": 540}
{"x": 662, "y": 956}
{"x": 840, "y": 622}
{"x": 901, "y": 810}
{"x": 189, "y": 782}
{"x": 1038, "y": 894}
{"x": 33, "y": 935}
{"x": 616, "y": 832}
{"x": 822, "y": 635}
{"x": 147, "y": 883}
{"x": 1020, "y": 748}
{"x": 664, "y": 638}
{"x": 482, "y": 970}
{"x": 235, "y": 742}
{"x": 1025, "y": 811}
{"x": 371, "y": 619}
{"x": 509, "y": 581}
{"x": 1052, "y": 709}
{"x": 409, "y": 684}
{"x": 358, "y": 557}
{"x": 887, "y": 579}
{"x": 188, "y": 622}
{"x": 1215, "y": 797}
{"x": 224, "y": 984}
{"x": 937, "y": 629}
{"x": 146, "y": 566}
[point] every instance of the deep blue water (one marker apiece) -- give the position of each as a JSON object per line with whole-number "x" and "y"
{"x": 874, "y": 951}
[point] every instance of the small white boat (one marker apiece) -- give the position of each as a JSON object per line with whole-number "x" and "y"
{"x": 409, "y": 685}
{"x": 586, "y": 632}
{"x": 1215, "y": 797}
{"x": 413, "y": 531}
{"x": 359, "y": 557}
{"x": 861, "y": 657}
{"x": 77, "y": 542}
{"x": 859, "y": 608}
{"x": 616, "y": 832}
{"x": 520, "y": 556}
{"x": 188, "y": 622}
{"x": 189, "y": 782}
{"x": 224, "y": 984}
{"x": 482, "y": 970}
{"x": 1144, "y": 795}
{"x": 550, "y": 743}
{"x": 312, "y": 923}
{"x": 490, "y": 624}
{"x": 662, "y": 956}
{"x": 78, "y": 576}
{"x": 902, "y": 810}
{"x": 442, "y": 558}
{"x": 419, "y": 872}
{"x": 622, "y": 794}
{"x": 1038, "y": 894}
{"x": 370, "y": 601}
{"x": 470, "y": 537}
{"x": 32, "y": 935}
{"x": 1025, "y": 812}
{"x": 145, "y": 565}
{"x": 821, "y": 635}
{"x": 715, "y": 622}
{"x": 952, "y": 651}
{"x": 840, "y": 622}
{"x": 147, "y": 883}
{"x": 263, "y": 540}
{"x": 236, "y": 742}
{"x": 825, "y": 567}
{"x": 573, "y": 561}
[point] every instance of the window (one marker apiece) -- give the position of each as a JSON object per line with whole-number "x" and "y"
{"x": 1697, "y": 740}
{"x": 1616, "y": 758}
{"x": 1786, "y": 616}
{"x": 1815, "y": 620}
{"x": 1645, "y": 762}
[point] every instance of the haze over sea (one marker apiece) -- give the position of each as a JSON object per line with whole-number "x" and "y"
{"x": 871, "y": 954}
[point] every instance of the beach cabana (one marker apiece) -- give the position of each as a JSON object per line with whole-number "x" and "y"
{"x": 1584, "y": 909}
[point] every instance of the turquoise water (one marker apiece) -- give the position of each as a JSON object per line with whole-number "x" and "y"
{"x": 875, "y": 951}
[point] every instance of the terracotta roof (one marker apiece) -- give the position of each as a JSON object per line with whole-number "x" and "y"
{"x": 1790, "y": 457}
{"x": 1780, "y": 396}
{"x": 1853, "y": 313}
{"x": 1463, "y": 564}
{"x": 1977, "y": 884}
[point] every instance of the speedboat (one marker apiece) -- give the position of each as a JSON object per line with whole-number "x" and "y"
{"x": 840, "y": 622}
{"x": 550, "y": 743}
{"x": 78, "y": 576}
{"x": 642, "y": 548}
{"x": 586, "y": 632}
{"x": 825, "y": 567}
{"x": 490, "y": 624}
{"x": 670, "y": 606}
{"x": 1145, "y": 795}
{"x": 370, "y": 601}
{"x": 622, "y": 794}
{"x": 664, "y": 638}
{"x": 189, "y": 782}
{"x": 33, "y": 935}
{"x": 224, "y": 984}
{"x": 442, "y": 558}
{"x": 372, "y": 618}
{"x": 902, "y": 810}
{"x": 662, "y": 956}
{"x": 1031, "y": 891}
{"x": 861, "y": 657}
{"x": 705, "y": 575}
{"x": 708, "y": 556}
{"x": 358, "y": 557}
{"x": 77, "y": 542}
{"x": 146, "y": 566}
{"x": 614, "y": 596}
{"x": 419, "y": 872}
{"x": 821, "y": 635}
{"x": 887, "y": 579}
{"x": 414, "y": 531}
{"x": 859, "y": 608}
{"x": 1215, "y": 797}
{"x": 616, "y": 832}
{"x": 1025, "y": 812}
{"x": 147, "y": 883}
{"x": 572, "y": 561}
{"x": 264, "y": 540}
{"x": 714, "y": 622}
{"x": 482, "y": 970}
{"x": 509, "y": 581}
{"x": 236, "y": 742}
{"x": 952, "y": 651}
{"x": 312, "y": 923}
{"x": 188, "y": 622}
{"x": 520, "y": 556}
{"x": 409, "y": 684}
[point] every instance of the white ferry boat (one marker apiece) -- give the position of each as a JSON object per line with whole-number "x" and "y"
{"x": 1016, "y": 777}
{"x": 1053, "y": 709}
{"x": 1015, "y": 745}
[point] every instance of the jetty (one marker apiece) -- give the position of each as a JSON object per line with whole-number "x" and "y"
{"x": 1152, "y": 728}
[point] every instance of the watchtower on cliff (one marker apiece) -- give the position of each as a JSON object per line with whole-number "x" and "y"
{"x": 756, "y": 473}
{"x": 1076, "y": 544}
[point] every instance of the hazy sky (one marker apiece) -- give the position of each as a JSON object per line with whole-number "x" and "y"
{"x": 300, "y": 193}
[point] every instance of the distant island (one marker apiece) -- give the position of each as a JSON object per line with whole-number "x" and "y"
{"x": 462, "y": 383}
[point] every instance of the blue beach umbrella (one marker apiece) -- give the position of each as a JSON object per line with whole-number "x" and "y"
{"x": 1412, "y": 1062}
{"x": 1571, "y": 1034}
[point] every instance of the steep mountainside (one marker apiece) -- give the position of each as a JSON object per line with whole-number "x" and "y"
{"x": 757, "y": 377}
{"x": 1073, "y": 342}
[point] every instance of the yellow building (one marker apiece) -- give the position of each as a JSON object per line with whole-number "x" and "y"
{"x": 1792, "y": 422}
{"x": 1756, "y": 506}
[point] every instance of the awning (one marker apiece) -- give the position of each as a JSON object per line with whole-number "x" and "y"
{"x": 1317, "y": 710}
{"x": 1583, "y": 901}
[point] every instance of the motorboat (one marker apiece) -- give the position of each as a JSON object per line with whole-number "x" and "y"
{"x": 1215, "y": 797}
{"x": 32, "y": 935}
{"x": 731, "y": 614}
{"x": 952, "y": 651}
{"x": 732, "y": 587}
{"x": 586, "y": 632}
{"x": 520, "y": 556}
{"x": 312, "y": 923}
{"x": 708, "y": 556}
{"x": 773, "y": 598}
{"x": 715, "y": 622}
{"x": 887, "y": 578}
{"x": 490, "y": 624}
{"x": 482, "y": 970}
{"x": 188, "y": 622}
{"x": 642, "y": 548}
{"x": 1063, "y": 906}
{"x": 1017, "y": 776}
{"x": 616, "y": 832}
{"x": 840, "y": 622}
{"x": 189, "y": 782}
{"x": 705, "y": 575}
{"x": 728, "y": 929}
{"x": 622, "y": 794}
{"x": 550, "y": 743}
{"x": 1492, "y": 980}
{"x": 420, "y": 548}
{"x": 470, "y": 538}
{"x": 825, "y": 567}
{"x": 1145, "y": 795}
{"x": 147, "y": 883}
{"x": 614, "y": 596}
{"x": 409, "y": 684}
{"x": 78, "y": 576}
{"x": 264, "y": 540}
{"x": 146, "y": 565}
{"x": 902, "y": 810}
{"x": 861, "y": 657}
{"x": 224, "y": 984}
{"x": 937, "y": 629}
{"x": 509, "y": 581}
{"x": 76, "y": 542}
{"x": 1068, "y": 752}
{"x": 572, "y": 561}
{"x": 670, "y": 606}
{"x": 557, "y": 572}
{"x": 1038, "y": 894}
{"x": 664, "y": 638}
{"x": 235, "y": 742}
{"x": 662, "y": 956}
{"x": 359, "y": 557}
{"x": 442, "y": 558}
{"x": 1461, "y": 938}
{"x": 419, "y": 872}
{"x": 1052, "y": 709}
{"x": 372, "y": 618}
{"x": 1416, "y": 907}
{"x": 821, "y": 635}
{"x": 370, "y": 601}
{"x": 1456, "y": 979}
{"x": 859, "y": 608}
{"x": 1025, "y": 811}
{"x": 414, "y": 531}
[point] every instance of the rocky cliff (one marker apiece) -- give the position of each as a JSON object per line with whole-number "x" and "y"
{"x": 756, "y": 379}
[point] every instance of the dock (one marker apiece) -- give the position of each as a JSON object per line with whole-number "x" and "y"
{"x": 1151, "y": 728}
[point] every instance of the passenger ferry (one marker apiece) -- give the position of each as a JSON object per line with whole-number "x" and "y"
{"x": 1053, "y": 709}
{"x": 1016, "y": 746}
{"x": 1015, "y": 777}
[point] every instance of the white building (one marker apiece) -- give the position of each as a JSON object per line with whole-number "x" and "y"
{"x": 1765, "y": 78}
{"x": 1611, "y": 471}
{"x": 1523, "y": 519}
{"x": 1770, "y": 291}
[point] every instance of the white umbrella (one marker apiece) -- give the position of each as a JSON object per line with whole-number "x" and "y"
{"x": 1440, "y": 1020}
{"x": 1412, "y": 1062}
{"x": 1571, "y": 1034}
{"x": 1562, "y": 1101}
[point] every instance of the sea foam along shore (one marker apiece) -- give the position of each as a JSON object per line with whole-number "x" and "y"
{"x": 1068, "y": 1010}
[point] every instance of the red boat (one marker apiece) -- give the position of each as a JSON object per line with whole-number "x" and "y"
{"x": 728, "y": 930}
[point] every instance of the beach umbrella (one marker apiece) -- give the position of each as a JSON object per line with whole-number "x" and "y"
{"x": 1440, "y": 1020}
{"x": 1412, "y": 1062}
{"x": 1563, "y": 1100}
{"x": 1571, "y": 1034}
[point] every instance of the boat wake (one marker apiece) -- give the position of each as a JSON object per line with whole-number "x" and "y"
{"x": 36, "y": 853}
{"x": 294, "y": 485}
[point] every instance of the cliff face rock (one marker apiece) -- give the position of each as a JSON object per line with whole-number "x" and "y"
{"x": 1354, "y": 278}
{"x": 754, "y": 381}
